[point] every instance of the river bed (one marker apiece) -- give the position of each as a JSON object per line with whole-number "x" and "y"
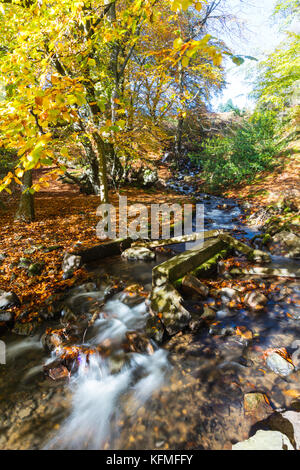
{"x": 186, "y": 394}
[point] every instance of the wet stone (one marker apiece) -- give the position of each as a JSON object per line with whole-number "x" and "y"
{"x": 59, "y": 373}
{"x": 279, "y": 365}
{"x": 138, "y": 253}
{"x": 219, "y": 330}
{"x": 256, "y": 300}
{"x": 8, "y": 300}
{"x": 208, "y": 314}
{"x": 287, "y": 423}
{"x": 24, "y": 329}
{"x": 6, "y": 317}
{"x": 70, "y": 263}
{"x": 191, "y": 284}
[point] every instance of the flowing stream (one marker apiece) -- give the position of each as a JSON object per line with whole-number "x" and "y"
{"x": 185, "y": 395}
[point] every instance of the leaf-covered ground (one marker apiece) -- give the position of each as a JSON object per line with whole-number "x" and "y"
{"x": 65, "y": 219}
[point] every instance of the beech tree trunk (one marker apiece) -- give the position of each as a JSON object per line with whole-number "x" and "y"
{"x": 101, "y": 154}
{"x": 25, "y": 212}
{"x": 180, "y": 120}
{"x": 93, "y": 170}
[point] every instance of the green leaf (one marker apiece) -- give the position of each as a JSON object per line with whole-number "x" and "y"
{"x": 237, "y": 60}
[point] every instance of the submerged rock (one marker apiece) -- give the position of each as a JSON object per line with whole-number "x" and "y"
{"x": 116, "y": 362}
{"x": 265, "y": 440}
{"x": 256, "y": 300}
{"x": 59, "y": 373}
{"x": 191, "y": 283}
{"x": 220, "y": 330}
{"x": 256, "y": 406}
{"x": 137, "y": 342}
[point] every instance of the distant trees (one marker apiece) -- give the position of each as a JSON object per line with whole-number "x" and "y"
{"x": 277, "y": 85}
{"x": 91, "y": 73}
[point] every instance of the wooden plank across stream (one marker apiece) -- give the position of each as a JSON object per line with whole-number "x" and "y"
{"x": 192, "y": 237}
{"x": 185, "y": 262}
{"x": 110, "y": 248}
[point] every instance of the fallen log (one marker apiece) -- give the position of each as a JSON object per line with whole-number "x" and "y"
{"x": 111, "y": 248}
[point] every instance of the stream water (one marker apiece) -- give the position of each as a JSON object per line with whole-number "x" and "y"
{"x": 187, "y": 394}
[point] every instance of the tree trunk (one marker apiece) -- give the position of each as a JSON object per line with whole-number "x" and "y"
{"x": 178, "y": 138}
{"x": 101, "y": 156}
{"x": 180, "y": 120}
{"x": 25, "y": 212}
{"x": 93, "y": 170}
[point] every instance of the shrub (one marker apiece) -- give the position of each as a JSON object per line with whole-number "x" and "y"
{"x": 252, "y": 149}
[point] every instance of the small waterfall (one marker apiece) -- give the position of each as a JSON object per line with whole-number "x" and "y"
{"x": 97, "y": 393}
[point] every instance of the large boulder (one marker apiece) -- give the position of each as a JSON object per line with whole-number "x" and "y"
{"x": 167, "y": 306}
{"x": 265, "y": 440}
{"x": 287, "y": 423}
